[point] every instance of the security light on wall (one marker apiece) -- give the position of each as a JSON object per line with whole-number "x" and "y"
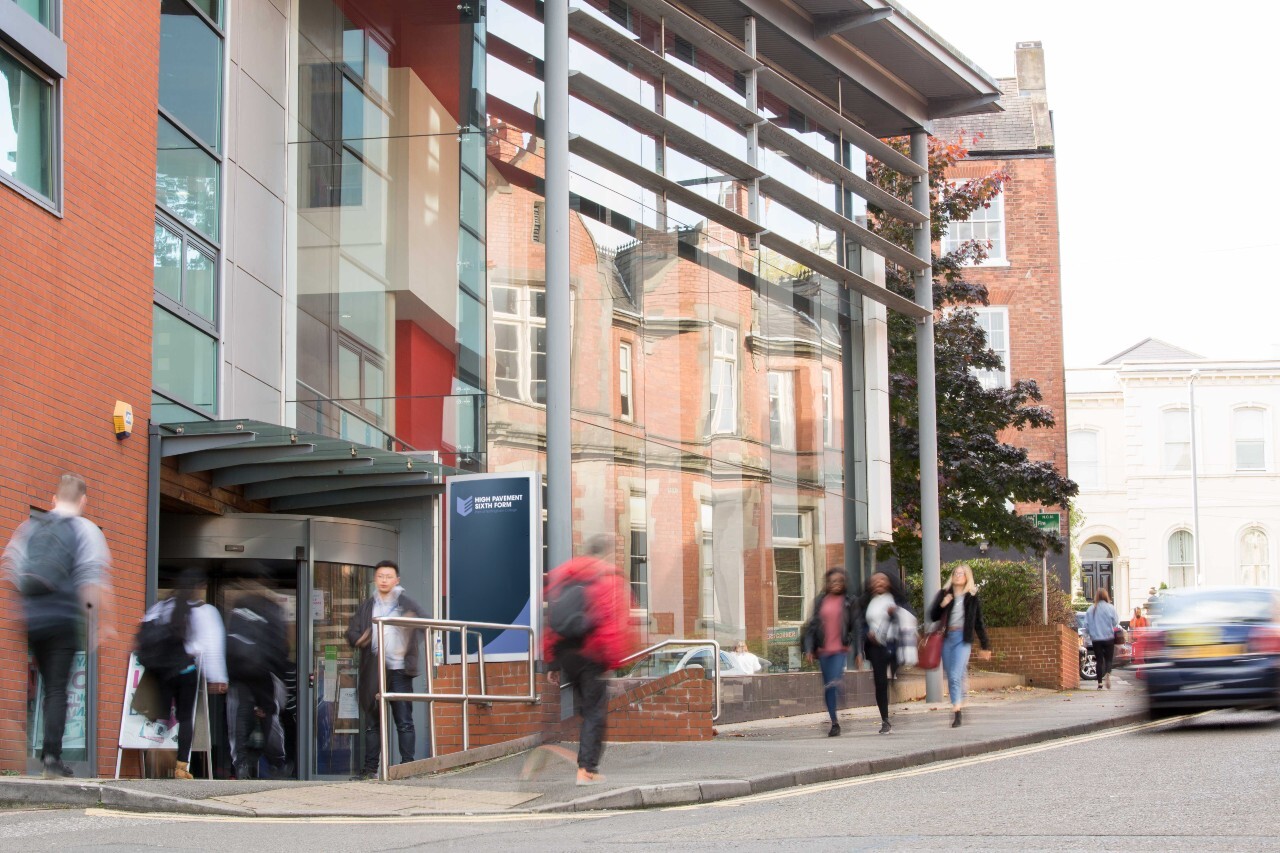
{"x": 122, "y": 420}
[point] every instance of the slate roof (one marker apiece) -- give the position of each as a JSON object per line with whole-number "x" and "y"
{"x": 1153, "y": 349}
{"x": 1009, "y": 131}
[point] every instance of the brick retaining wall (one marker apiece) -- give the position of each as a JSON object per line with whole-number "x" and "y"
{"x": 1048, "y": 656}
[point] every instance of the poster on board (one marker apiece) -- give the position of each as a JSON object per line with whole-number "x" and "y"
{"x": 494, "y": 558}
{"x": 137, "y": 732}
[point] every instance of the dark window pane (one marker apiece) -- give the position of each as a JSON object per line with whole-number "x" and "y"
{"x": 26, "y": 126}
{"x": 191, "y": 70}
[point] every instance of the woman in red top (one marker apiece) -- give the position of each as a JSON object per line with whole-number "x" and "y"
{"x": 829, "y": 634}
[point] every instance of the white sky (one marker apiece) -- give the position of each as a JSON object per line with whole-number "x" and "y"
{"x": 1166, "y": 193}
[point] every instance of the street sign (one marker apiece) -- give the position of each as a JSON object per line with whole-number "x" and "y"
{"x": 1049, "y": 522}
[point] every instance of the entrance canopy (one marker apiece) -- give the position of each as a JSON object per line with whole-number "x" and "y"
{"x": 292, "y": 471}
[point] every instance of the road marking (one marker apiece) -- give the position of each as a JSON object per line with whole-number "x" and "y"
{"x": 172, "y": 817}
{"x": 938, "y": 767}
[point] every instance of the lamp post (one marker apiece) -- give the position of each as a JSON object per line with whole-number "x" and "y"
{"x": 1195, "y": 480}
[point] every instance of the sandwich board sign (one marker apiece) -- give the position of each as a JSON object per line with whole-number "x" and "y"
{"x": 137, "y": 732}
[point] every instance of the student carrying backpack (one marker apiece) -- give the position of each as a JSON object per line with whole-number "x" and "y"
{"x": 588, "y": 634}
{"x": 59, "y": 563}
{"x": 257, "y": 653}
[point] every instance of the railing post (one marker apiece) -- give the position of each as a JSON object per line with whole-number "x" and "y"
{"x": 466, "y": 701}
{"x": 382, "y": 700}
{"x": 431, "y": 686}
{"x": 484, "y": 689}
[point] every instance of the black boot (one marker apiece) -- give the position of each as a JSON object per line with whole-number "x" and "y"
{"x": 835, "y": 730}
{"x": 955, "y": 724}
{"x": 885, "y": 727}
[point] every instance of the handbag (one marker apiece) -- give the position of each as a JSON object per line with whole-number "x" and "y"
{"x": 929, "y": 650}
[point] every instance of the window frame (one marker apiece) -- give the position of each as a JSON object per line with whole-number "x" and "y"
{"x": 1236, "y": 439}
{"x": 47, "y": 61}
{"x": 828, "y": 408}
{"x": 1182, "y": 567}
{"x": 525, "y": 321}
{"x": 1001, "y": 260}
{"x": 716, "y": 414}
{"x": 1265, "y": 566}
{"x": 1006, "y": 355}
{"x": 626, "y": 381}
{"x": 1098, "y": 483}
{"x": 1165, "y": 442}
{"x": 804, "y": 544}
{"x": 782, "y": 401}
{"x": 217, "y": 366}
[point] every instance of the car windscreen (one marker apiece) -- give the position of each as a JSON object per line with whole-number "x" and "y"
{"x": 1218, "y": 606}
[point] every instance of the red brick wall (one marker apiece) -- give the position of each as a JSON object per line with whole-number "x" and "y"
{"x": 75, "y": 333}
{"x": 676, "y": 707}
{"x": 1048, "y": 656}
{"x": 1031, "y": 286}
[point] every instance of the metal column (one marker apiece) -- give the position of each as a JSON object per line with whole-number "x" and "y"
{"x": 555, "y": 25}
{"x": 852, "y": 387}
{"x": 928, "y": 399}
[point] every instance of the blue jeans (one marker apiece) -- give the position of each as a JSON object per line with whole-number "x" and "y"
{"x": 955, "y": 660}
{"x": 402, "y": 713}
{"x": 832, "y": 679}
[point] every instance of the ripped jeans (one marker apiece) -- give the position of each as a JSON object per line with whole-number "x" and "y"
{"x": 832, "y": 667}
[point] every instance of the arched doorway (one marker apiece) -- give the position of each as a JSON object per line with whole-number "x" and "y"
{"x": 1096, "y": 569}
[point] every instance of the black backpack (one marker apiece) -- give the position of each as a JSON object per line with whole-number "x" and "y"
{"x": 569, "y": 614}
{"x": 50, "y": 556}
{"x": 255, "y": 644}
{"x": 160, "y": 647}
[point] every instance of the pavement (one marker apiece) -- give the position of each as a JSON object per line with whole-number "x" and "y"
{"x": 743, "y": 759}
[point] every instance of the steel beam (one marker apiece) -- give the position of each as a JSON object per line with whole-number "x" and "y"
{"x": 835, "y": 272}
{"x": 832, "y": 23}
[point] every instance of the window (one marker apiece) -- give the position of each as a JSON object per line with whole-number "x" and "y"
{"x": 828, "y": 412}
{"x": 639, "y": 552}
{"x": 191, "y": 71}
{"x": 782, "y": 410}
{"x": 187, "y": 180}
{"x": 995, "y": 322}
{"x": 1255, "y": 558}
{"x": 361, "y": 379}
{"x": 28, "y": 122}
{"x": 986, "y": 225}
{"x": 1177, "y": 440}
{"x": 791, "y": 560}
{"x": 184, "y": 362}
{"x": 520, "y": 342}
{"x": 723, "y": 416}
{"x": 707, "y": 562}
{"x": 1082, "y": 458}
{"x": 1182, "y": 571}
{"x": 185, "y": 275}
{"x": 539, "y": 212}
{"x": 44, "y": 11}
{"x": 624, "y": 381}
{"x": 1251, "y": 439}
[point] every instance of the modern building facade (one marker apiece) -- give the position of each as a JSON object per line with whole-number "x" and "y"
{"x": 345, "y": 216}
{"x": 1022, "y": 272}
{"x": 1132, "y": 443}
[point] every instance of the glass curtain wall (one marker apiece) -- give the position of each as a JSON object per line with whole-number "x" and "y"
{"x": 185, "y": 319}
{"x": 389, "y": 225}
{"x": 706, "y": 388}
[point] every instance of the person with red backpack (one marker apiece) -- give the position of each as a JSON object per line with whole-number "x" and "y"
{"x": 586, "y": 635}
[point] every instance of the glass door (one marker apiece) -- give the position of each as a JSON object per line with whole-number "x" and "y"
{"x": 336, "y": 592}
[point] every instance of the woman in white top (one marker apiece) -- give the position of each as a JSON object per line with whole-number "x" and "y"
{"x": 957, "y": 608}
{"x": 205, "y": 642}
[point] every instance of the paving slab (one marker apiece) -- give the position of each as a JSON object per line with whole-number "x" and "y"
{"x": 375, "y": 798}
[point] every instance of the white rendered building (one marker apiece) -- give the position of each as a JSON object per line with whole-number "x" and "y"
{"x": 1130, "y": 445}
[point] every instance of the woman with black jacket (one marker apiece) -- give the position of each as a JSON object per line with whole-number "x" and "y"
{"x": 956, "y": 607}
{"x": 829, "y": 634}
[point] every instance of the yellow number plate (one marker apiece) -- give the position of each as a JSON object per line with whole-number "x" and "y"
{"x": 1225, "y": 650}
{"x": 1195, "y": 637}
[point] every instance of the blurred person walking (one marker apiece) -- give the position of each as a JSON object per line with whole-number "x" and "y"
{"x": 388, "y": 600}
{"x": 59, "y": 563}
{"x": 744, "y": 658}
{"x": 1137, "y": 626}
{"x": 832, "y": 630}
{"x": 881, "y": 603}
{"x": 181, "y": 638}
{"x": 257, "y": 656}
{"x": 1102, "y": 622}
{"x": 587, "y": 635}
{"x": 957, "y": 607}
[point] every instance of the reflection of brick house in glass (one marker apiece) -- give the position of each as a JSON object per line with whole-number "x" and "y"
{"x": 706, "y": 412}
{"x": 1022, "y": 272}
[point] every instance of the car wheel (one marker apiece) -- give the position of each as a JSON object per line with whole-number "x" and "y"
{"x": 1088, "y": 668}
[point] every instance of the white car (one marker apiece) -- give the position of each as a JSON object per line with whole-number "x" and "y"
{"x": 663, "y": 663}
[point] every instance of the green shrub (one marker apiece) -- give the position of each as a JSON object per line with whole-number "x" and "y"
{"x": 1010, "y": 593}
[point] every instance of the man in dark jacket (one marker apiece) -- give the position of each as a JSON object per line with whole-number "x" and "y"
{"x": 257, "y": 654}
{"x": 389, "y": 599}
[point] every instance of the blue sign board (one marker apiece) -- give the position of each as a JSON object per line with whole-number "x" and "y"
{"x": 494, "y": 558}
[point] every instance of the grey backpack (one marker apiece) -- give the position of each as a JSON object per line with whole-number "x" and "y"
{"x": 50, "y": 557}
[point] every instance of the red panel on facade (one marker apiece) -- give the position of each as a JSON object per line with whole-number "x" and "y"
{"x": 424, "y": 380}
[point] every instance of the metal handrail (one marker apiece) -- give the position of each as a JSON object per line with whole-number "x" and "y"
{"x": 465, "y": 698}
{"x": 715, "y": 656}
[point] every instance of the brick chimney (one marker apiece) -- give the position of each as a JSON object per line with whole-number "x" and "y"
{"x": 1031, "y": 85}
